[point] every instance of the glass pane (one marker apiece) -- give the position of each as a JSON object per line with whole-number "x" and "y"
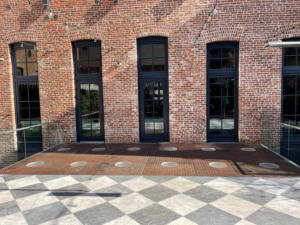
{"x": 20, "y": 55}
{"x": 25, "y": 124}
{"x": 95, "y": 66}
{"x": 288, "y": 105}
{"x": 289, "y": 120}
{"x": 228, "y": 106}
{"x": 228, "y": 126}
{"x": 158, "y": 109}
{"x": 24, "y": 114}
{"x": 22, "y": 92}
{"x": 94, "y": 92}
{"x": 215, "y": 86}
{"x": 161, "y": 91}
{"x": 298, "y": 60}
{"x": 95, "y": 110}
{"x": 148, "y": 108}
{"x": 228, "y": 63}
{"x": 94, "y": 53}
{"x": 148, "y": 90}
{"x": 159, "y": 64}
{"x": 21, "y": 69}
{"x": 228, "y": 52}
{"x": 32, "y": 69}
{"x": 159, "y": 50}
{"x": 289, "y": 51}
{"x": 298, "y": 51}
{"x": 146, "y": 51}
{"x": 298, "y": 105}
{"x": 149, "y": 126}
{"x": 82, "y": 53}
{"x": 298, "y": 83}
{"x": 215, "y": 106}
{"x": 85, "y": 110}
{"x": 96, "y": 127}
{"x": 36, "y": 131}
{"x": 23, "y": 105}
{"x": 215, "y": 64}
{"x": 289, "y": 60}
{"x": 33, "y": 92}
{"x": 159, "y": 126}
{"x": 83, "y": 67}
{"x": 215, "y": 125}
{"x": 35, "y": 113}
{"x": 86, "y": 127}
{"x": 215, "y": 53}
{"x": 34, "y": 104}
{"x": 31, "y": 55}
{"x": 289, "y": 85}
{"x": 84, "y": 92}
{"x": 298, "y": 121}
{"x": 156, "y": 90}
{"x": 146, "y": 65}
{"x": 228, "y": 86}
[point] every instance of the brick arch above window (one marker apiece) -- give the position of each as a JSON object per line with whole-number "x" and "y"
{"x": 152, "y": 29}
{"x": 222, "y": 34}
{"x": 15, "y": 37}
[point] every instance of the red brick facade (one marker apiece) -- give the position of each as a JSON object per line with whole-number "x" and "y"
{"x": 119, "y": 25}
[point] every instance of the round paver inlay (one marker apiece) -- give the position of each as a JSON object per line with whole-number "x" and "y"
{"x": 64, "y": 149}
{"x": 98, "y": 149}
{"x": 169, "y": 164}
{"x": 34, "y": 164}
{"x": 78, "y": 164}
{"x": 218, "y": 165}
{"x": 170, "y": 149}
{"x": 248, "y": 149}
{"x": 134, "y": 149}
{"x": 269, "y": 165}
{"x": 123, "y": 164}
{"x": 208, "y": 149}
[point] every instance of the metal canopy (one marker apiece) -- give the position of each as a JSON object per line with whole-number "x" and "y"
{"x": 283, "y": 44}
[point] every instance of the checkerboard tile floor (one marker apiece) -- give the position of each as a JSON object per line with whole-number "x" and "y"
{"x": 133, "y": 200}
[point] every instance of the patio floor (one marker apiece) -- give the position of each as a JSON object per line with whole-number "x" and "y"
{"x": 192, "y": 161}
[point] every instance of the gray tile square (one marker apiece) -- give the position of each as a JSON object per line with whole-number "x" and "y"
{"x": 242, "y": 180}
{"x": 254, "y": 195}
{"x": 154, "y": 215}
{"x": 205, "y": 194}
{"x": 83, "y": 178}
{"x": 286, "y": 181}
{"x": 99, "y": 214}
{"x": 292, "y": 193}
{"x": 160, "y": 179}
{"x": 13, "y": 177}
{"x": 200, "y": 180}
{"x": 44, "y": 178}
{"x": 8, "y": 208}
{"x": 209, "y": 215}
{"x": 121, "y": 179}
{"x": 158, "y": 193}
{"x": 45, "y": 213}
{"x": 113, "y": 192}
{"x": 265, "y": 216}
{"x": 70, "y": 191}
{"x": 3, "y": 187}
{"x": 28, "y": 190}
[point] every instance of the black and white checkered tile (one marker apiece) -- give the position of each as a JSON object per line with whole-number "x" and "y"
{"x": 132, "y": 200}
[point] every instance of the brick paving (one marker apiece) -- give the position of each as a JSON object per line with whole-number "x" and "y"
{"x": 192, "y": 161}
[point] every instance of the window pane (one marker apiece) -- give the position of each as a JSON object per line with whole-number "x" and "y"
{"x": 228, "y": 105}
{"x": 85, "y": 110}
{"x": 298, "y": 60}
{"x": 159, "y": 126}
{"x": 94, "y": 92}
{"x": 32, "y": 69}
{"x": 288, "y": 105}
{"x": 228, "y": 63}
{"x": 215, "y": 64}
{"x": 228, "y": 52}
{"x": 159, "y": 64}
{"x": 289, "y": 120}
{"x": 95, "y": 110}
{"x": 86, "y": 127}
{"x": 82, "y": 53}
{"x": 289, "y": 51}
{"x": 215, "y": 53}
{"x": 158, "y": 109}
{"x": 228, "y": 86}
{"x": 146, "y": 65}
{"x": 94, "y": 53}
{"x": 23, "y": 105}
{"x": 161, "y": 91}
{"x": 289, "y": 60}
{"x": 24, "y": 114}
{"x": 215, "y": 125}
{"x": 298, "y": 105}
{"x": 289, "y": 85}
{"x": 35, "y": 113}
{"x": 215, "y": 86}
{"x": 36, "y": 131}
{"x": 298, "y": 84}
{"x": 20, "y": 55}
{"x": 84, "y": 92}
{"x": 34, "y": 92}
{"x": 146, "y": 51}
{"x": 34, "y": 104}
{"x": 31, "y": 55}
{"x": 21, "y": 69}
{"x": 148, "y": 107}
{"x": 159, "y": 50}
{"x": 83, "y": 67}
{"x": 96, "y": 127}
{"x": 215, "y": 106}
{"x": 148, "y": 90}
{"x": 228, "y": 126}
{"x": 149, "y": 126}
{"x": 22, "y": 92}
{"x": 95, "y": 66}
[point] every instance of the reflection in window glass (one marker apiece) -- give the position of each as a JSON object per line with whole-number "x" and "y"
{"x": 159, "y": 64}
{"x": 82, "y": 53}
{"x": 32, "y": 69}
{"x": 83, "y": 67}
{"x": 146, "y": 65}
{"x": 31, "y": 55}
{"x": 21, "y": 69}
{"x": 159, "y": 50}
{"x": 94, "y": 53}
{"x": 146, "y": 51}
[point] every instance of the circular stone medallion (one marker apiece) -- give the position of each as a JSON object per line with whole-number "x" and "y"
{"x": 64, "y": 149}
{"x": 170, "y": 149}
{"x": 169, "y": 164}
{"x": 123, "y": 164}
{"x": 98, "y": 149}
{"x": 78, "y": 164}
{"x": 248, "y": 149}
{"x": 217, "y": 165}
{"x": 208, "y": 149}
{"x": 134, "y": 149}
{"x": 34, "y": 164}
{"x": 269, "y": 165}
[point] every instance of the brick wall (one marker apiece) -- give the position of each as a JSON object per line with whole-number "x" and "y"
{"x": 119, "y": 25}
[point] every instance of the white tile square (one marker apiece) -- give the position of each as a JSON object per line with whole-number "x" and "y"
{"x": 182, "y": 204}
{"x": 223, "y": 185}
{"x": 5, "y": 196}
{"x": 34, "y": 201}
{"x": 81, "y": 202}
{"x": 131, "y": 203}
{"x": 2, "y": 180}
{"x": 244, "y": 222}
{"x": 180, "y": 184}
{"x": 13, "y": 219}
{"x": 285, "y": 205}
{"x": 182, "y": 221}
{"x": 297, "y": 185}
{"x": 60, "y": 183}
{"x": 139, "y": 183}
{"x": 99, "y": 183}
{"x": 23, "y": 182}
{"x": 65, "y": 220}
{"x": 236, "y": 206}
{"x": 269, "y": 186}
{"x": 124, "y": 220}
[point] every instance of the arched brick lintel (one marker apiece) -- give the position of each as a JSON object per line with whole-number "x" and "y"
{"x": 152, "y": 29}
{"x": 222, "y": 34}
